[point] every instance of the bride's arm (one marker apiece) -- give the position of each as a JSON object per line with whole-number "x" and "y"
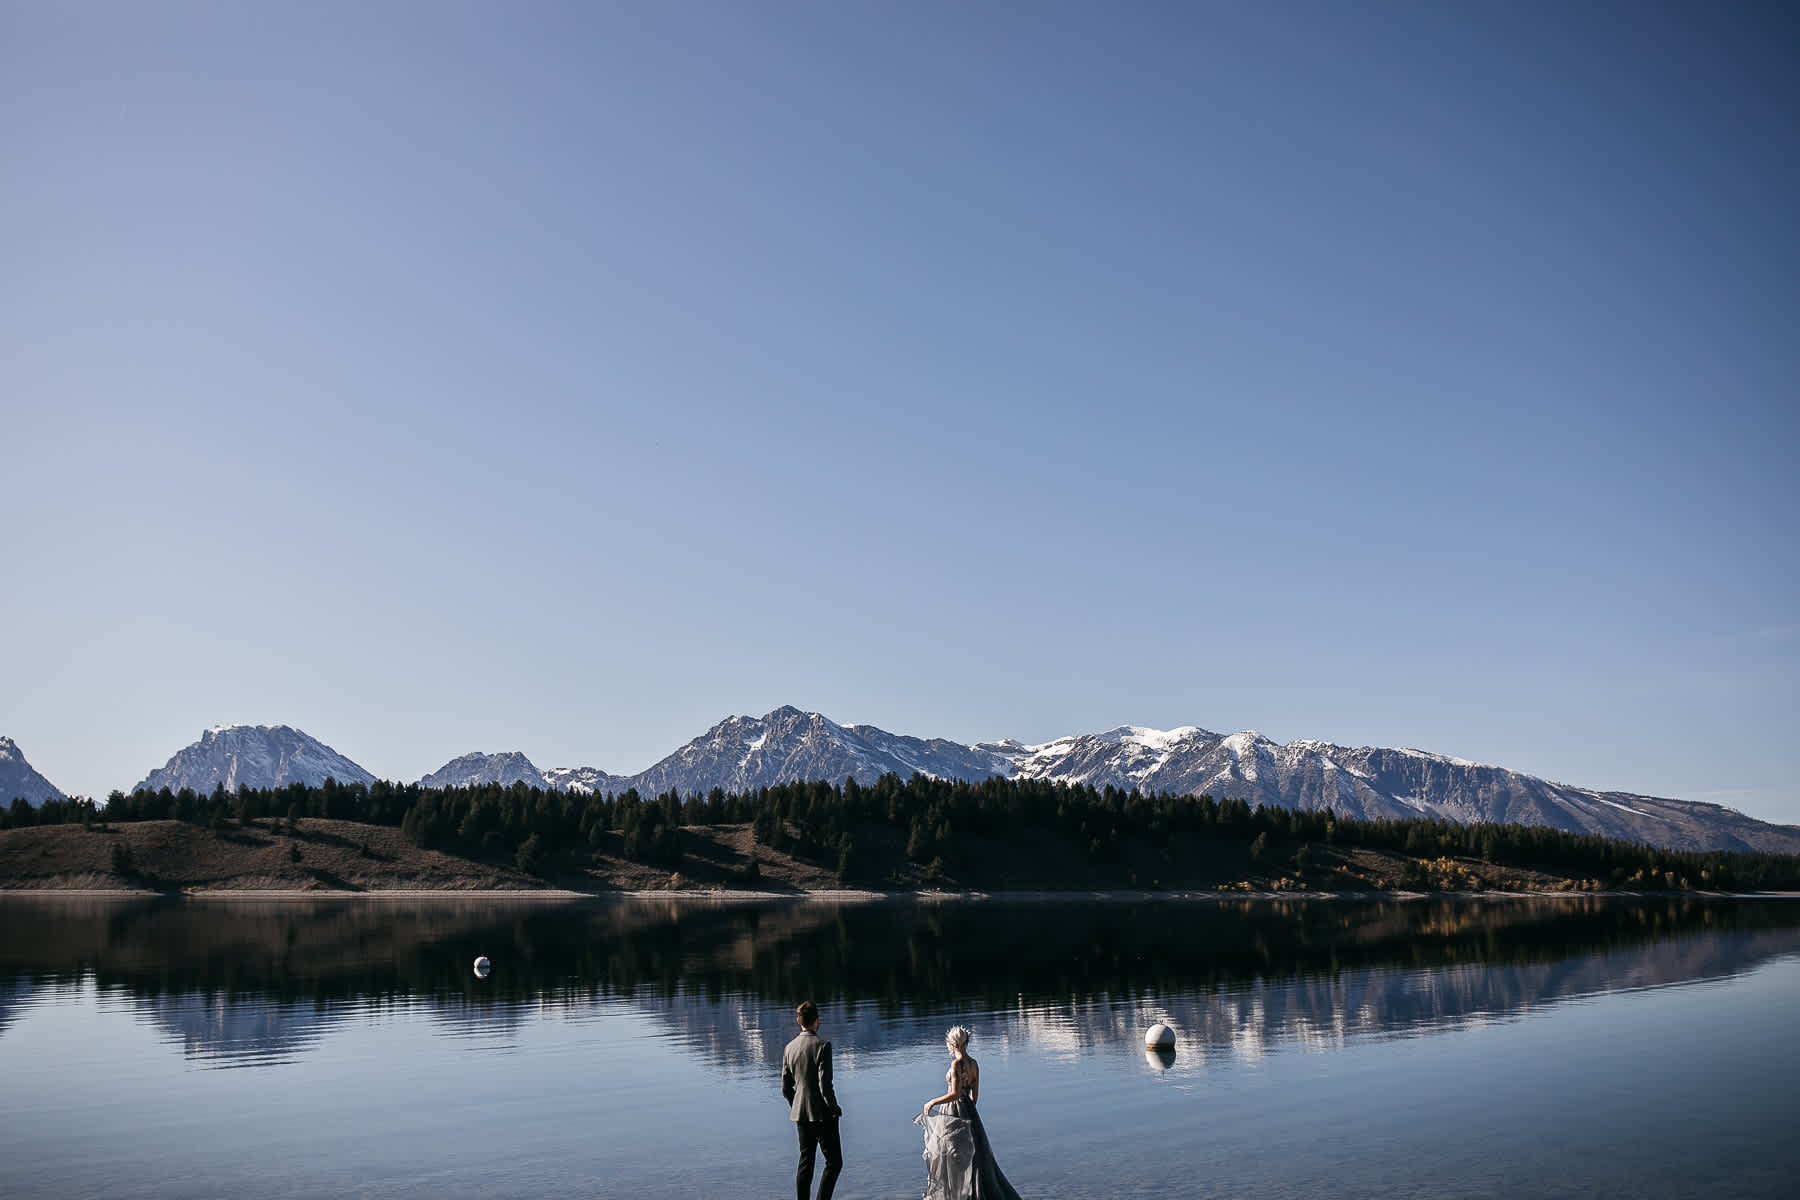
{"x": 946, "y": 1098}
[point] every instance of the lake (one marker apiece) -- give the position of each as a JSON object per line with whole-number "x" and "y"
{"x": 628, "y": 1047}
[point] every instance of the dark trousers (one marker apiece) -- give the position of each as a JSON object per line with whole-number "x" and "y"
{"x": 818, "y": 1135}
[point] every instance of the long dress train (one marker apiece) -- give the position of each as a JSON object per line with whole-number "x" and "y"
{"x": 959, "y": 1162}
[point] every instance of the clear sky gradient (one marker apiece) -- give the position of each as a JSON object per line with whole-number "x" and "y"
{"x": 565, "y": 378}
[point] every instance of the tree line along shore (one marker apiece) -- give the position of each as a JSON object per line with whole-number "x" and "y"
{"x": 895, "y": 834}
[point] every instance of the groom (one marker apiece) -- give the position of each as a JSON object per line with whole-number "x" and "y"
{"x": 806, "y": 1085}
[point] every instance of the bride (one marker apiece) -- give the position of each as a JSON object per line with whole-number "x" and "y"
{"x": 959, "y": 1163}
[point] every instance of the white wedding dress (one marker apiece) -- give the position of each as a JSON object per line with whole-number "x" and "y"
{"x": 959, "y": 1163}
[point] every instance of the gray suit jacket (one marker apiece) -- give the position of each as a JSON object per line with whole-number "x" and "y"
{"x": 806, "y": 1079}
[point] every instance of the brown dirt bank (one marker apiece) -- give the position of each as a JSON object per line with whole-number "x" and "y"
{"x": 319, "y": 855}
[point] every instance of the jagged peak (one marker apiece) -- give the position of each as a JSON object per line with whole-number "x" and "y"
{"x": 484, "y": 758}
{"x": 477, "y": 765}
{"x": 787, "y": 714}
{"x": 216, "y": 731}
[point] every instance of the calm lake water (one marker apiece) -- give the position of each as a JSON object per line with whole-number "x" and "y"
{"x": 1505, "y": 1048}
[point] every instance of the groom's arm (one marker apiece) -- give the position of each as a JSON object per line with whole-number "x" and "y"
{"x": 787, "y": 1078}
{"x": 825, "y": 1081}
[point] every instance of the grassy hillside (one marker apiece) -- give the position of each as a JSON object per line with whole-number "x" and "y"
{"x": 317, "y": 854}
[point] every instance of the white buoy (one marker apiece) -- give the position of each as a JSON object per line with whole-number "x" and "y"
{"x": 482, "y": 967}
{"x": 1159, "y": 1037}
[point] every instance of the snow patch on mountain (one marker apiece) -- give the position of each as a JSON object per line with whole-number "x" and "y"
{"x": 1443, "y": 758}
{"x": 583, "y": 779}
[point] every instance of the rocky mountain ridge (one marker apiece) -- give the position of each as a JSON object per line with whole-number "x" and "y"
{"x": 1377, "y": 783}
{"x": 1372, "y": 783}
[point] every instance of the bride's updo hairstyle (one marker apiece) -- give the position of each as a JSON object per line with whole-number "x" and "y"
{"x": 957, "y": 1038}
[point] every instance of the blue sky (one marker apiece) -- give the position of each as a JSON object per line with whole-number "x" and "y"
{"x": 565, "y": 378}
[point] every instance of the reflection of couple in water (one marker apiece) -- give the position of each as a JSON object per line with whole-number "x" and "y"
{"x": 959, "y": 1163}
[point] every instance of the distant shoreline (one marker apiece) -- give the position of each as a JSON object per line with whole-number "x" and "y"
{"x": 839, "y": 896}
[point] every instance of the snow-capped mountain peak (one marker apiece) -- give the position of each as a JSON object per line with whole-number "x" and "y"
{"x": 18, "y": 780}
{"x": 257, "y": 756}
{"x": 786, "y": 744}
{"x": 473, "y": 770}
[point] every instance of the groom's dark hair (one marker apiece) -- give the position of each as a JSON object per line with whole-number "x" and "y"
{"x": 808, "y": 1012}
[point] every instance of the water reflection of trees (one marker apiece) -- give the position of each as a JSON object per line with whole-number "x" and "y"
{"x": 906, "y": 955}
{"x": 724, "y": 975}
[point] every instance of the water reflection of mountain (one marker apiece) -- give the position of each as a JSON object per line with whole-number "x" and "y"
{"x": 1321, "y": 1012}
{"x": 15, "y": 994}
{"x": 249, "y": 981}
{"x": 216, "y": 1030}
{"x": 234, "y": 1031}
{"x": 1243, "y": 1020}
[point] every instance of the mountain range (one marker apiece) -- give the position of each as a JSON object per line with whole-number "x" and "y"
{"x": 745, "y": 753}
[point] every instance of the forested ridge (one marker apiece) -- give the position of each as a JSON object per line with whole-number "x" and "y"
{"x": 955, "y": 833}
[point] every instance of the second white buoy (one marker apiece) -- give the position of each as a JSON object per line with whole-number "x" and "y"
{"x": 1159, "y": 1037}
{"x": 482, "y": 967}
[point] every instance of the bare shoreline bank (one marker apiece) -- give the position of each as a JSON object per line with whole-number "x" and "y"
{"x": 835, "y": 895}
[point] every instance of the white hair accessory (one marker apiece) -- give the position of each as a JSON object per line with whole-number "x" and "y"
{"x": 957, "y": 1037}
